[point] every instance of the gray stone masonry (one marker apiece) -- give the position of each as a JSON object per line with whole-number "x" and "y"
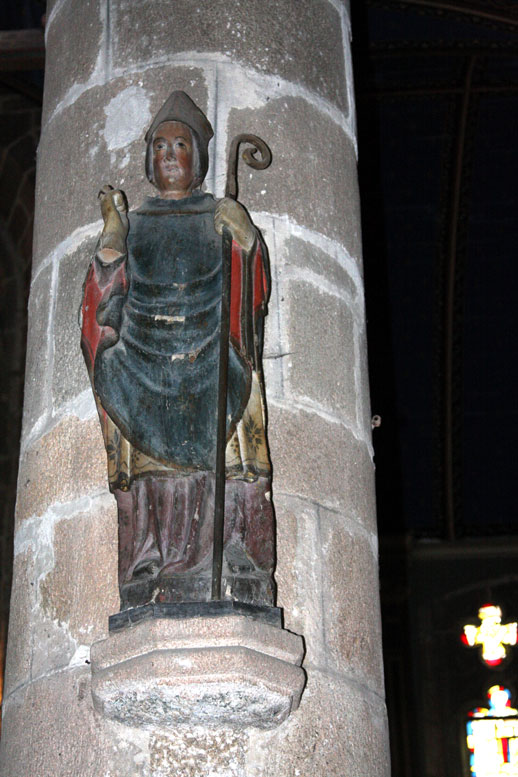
{"x": 282, "y": 70}
{"x": 224, "y": 671}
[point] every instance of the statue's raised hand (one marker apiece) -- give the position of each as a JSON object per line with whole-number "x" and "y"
{"x": 114, "y": 210}
{"x": 231, "y": 214}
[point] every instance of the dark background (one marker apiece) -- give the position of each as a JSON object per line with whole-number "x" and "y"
{"x": 437, "y": 105}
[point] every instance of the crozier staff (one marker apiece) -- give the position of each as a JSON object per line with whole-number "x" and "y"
{"x": 151, "y": 320}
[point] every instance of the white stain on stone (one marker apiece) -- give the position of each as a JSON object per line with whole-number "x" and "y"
{"x": 309, "y": 405}
{"x": 81, "y": 656}
{"x": 127, "y": 117}
{"x": 285, "y": 227}
{"x": 69, "y": 244}
{"x": 320, "y": 282}
{"x": 82, "y": 406}
{"x": 54, "y": 646}
{"x": 98, "y": 75}
{"x": 240, "y": 87}
{"x": 279, "y": 230}
{"x": 130, "y": 749}
{"x": 53, "y": 13}
{"x": 37, "y": 532}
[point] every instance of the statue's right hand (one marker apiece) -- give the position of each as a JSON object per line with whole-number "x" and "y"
{"x": 114, "y": 210}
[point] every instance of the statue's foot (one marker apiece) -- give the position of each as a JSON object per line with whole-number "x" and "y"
{"x": 256, "y": 587}
{"x": 162, "y": 589}
{"x": 145, "y": 569}
{"x": 237, "y": 560}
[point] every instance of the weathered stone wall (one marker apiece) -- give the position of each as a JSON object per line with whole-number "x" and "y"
{"x": 281, "y": 70}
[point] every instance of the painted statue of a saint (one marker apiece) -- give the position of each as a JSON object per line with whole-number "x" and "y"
{"x": 151, "y": 319}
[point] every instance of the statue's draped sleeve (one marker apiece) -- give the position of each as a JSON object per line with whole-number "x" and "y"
{"x": 104, "y": 292}
{"x": 250, "y": 288}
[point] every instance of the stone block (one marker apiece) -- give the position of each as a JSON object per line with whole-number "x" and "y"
{"x": 52, "y": 647}
{"x": 307, "y": 256}
{"x": 51, "y": 4}
{"x": 35, "y": 397}
{"x": 320, "y": 343}
{"x": 99, "y": 139}
{"x": 339, "y": 729}
{"x": 228, "y": 670}
{"x": 298, "y": 575}
{"x": 216, "y": 631}
{"x": 299, "y": 42}
{"x": 197, "y": 752}
{"x": 66, "y": 463}
{"x": 65, "y": 587}
{"x": 19, "y": 653}
{"x": 273, "y": 374}
{"x": 71, "y": 59}
{"x": 49, "y": 729}
{"x": 69, "y": 376}
{"x": 321, "y": 461}
{"x": 80, "y": 591}
{"x": 363, "y": 398}
{"x": 313, "y": 177}
{"x": 351, "y": 602}
{"x": 273, "y": 347}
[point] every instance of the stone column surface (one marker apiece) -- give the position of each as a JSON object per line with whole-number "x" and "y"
{"x": 282, "y": 70}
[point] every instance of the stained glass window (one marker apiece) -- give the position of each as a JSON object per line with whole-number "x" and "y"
{"x": 492, "y": 635}
{"x": 492, "y": 736}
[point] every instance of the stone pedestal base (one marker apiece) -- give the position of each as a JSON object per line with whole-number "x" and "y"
{"x": 229, "y": 670}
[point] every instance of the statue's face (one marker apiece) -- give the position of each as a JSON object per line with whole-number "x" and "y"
{"x": 173, "y": 159}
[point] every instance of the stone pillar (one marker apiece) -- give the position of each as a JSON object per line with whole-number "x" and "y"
{"x": 281, "y": 70}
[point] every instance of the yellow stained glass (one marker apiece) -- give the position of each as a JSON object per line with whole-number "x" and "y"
{"x": 492, "y": 635}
